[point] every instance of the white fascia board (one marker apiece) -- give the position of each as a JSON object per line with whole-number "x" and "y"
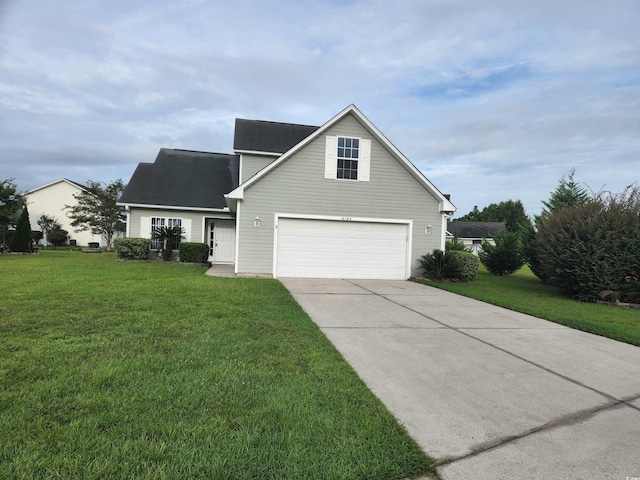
{"x": 172, "y": 207}
{"x": 53, "y": 183}
{"x": 257, "y": 153}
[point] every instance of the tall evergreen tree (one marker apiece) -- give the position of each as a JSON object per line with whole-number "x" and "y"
{"x": 22, "y": 240}
{"x": 567, "y": 194}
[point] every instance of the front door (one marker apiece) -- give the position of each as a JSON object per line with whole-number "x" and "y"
{"x": 222, "y": 241}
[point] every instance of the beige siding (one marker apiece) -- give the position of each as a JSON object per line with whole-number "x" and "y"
{"x": 298, "y": 186}
{"x": 51, "y": 200}
{"x": 252, "y": 164}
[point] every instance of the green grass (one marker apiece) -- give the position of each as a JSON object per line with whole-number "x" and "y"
{"x": 525, "y": 293}
{"x": 113, "y": 369}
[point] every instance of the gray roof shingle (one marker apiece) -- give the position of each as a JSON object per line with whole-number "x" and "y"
{"x": 184, "y": 178}
{"x": 474, "y": 229}
{"x": 273, "y": 137}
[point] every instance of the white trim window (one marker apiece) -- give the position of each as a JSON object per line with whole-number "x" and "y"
{"x": 348, "y": 155}
{"x": 161, "y": 222}
{"x": 347, "y": 158}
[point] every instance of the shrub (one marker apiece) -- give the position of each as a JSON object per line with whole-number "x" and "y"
{"x": 506, "y": 256}
{"x": 132, "y": 248}
{"x": 591, "y": 250}
{"x": 57, "y": 237}
{"x": 468, "y": 262}
{"x": 192, "y": 252}
{"x": 441, "y": 266}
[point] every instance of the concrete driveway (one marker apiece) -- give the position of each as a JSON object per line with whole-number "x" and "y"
{"x": 489, "y": 392}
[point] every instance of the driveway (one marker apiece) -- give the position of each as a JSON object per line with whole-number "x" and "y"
{"x": 489, "y": 392}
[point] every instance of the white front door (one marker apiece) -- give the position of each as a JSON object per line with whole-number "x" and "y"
{"x": 222, "y": 241}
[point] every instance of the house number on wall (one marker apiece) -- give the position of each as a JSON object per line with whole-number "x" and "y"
{"x": 346, "y": 219}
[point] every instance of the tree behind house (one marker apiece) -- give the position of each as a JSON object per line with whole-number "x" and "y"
{"x": 96, "y": 210}
{"x": 48, "y": 224}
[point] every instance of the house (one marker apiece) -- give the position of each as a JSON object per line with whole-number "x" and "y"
{"x": 51, "y": 199}
{"x": 473, "y": 233}
{"x": 335, "y": 201}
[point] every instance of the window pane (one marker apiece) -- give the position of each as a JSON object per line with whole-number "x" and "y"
{"x": 340, "y": 174}
{"x": 355, "y": 143}
{"x": 354, "y": 153}
{"x": 347, "y": 142}
{"x": 347, "y": 153}
{"x": 341, "y": 152}
{"x": 341, "y": 142}
{"x": 354, "y": 164}
{"x": 340, "y": 163}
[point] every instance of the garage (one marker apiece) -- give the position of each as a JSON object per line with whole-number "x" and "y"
{"x": 342, "y": 248}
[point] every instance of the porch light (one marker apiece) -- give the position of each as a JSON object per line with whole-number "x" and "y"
{"x": 427, "y": 230}
{"x": 256, "y": 222}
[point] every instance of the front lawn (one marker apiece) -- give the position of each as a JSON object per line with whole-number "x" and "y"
{"x": 525, "y": 293}
{"x": 112, "y": 369}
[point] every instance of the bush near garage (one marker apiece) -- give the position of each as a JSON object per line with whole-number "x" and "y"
{"x": 132, "y": 248}
{"x": 468, "y": 262}
{"x": 192, "y": 252}
{"x": 441, "y": 266}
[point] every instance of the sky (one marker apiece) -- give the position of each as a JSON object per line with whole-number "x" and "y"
{"x": 492, "y": 100}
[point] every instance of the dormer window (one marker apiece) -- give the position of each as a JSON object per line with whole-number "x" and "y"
{"x": 347, "y": 158}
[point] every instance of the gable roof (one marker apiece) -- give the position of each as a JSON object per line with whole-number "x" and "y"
{"x": 66, "y": 180}
{"x": 474, "y": 229}
{"x": 445, "y": 203}
{"x": 183, "y": 178}
{"x": 268, "y": 137}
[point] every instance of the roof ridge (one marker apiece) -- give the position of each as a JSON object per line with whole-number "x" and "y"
{"x": 196, "y": 151}
{"x": 278, "y": 123}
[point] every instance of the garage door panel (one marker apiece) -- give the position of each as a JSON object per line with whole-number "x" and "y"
{"x": 334, "y": 249}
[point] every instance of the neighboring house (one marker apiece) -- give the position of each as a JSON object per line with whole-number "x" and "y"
{"x": 336, "y": 201}
{"x": 472, "y": 233}
{"x": 51, "y": 199}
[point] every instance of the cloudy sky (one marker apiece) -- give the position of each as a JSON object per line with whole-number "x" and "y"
{"x": 492, "y": 100}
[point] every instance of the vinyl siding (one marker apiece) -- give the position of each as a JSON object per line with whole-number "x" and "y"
{"x": 298, "y": 186}
{"x": 252, "y": 164}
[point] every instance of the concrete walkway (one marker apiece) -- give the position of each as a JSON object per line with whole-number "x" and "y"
{"x": 490, "y": 393}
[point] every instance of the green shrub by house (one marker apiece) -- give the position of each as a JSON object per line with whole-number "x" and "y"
{"x": 192, "y": 252}
{"x": 441, "y": 266}
{"x": 468, "y": 262}
{"x": 132, "y": 248}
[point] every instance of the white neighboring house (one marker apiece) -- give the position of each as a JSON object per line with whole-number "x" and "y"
{"x": 50, "y": 199}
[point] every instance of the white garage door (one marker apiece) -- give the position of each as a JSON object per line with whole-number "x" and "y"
{"x": 338, "y": 249}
